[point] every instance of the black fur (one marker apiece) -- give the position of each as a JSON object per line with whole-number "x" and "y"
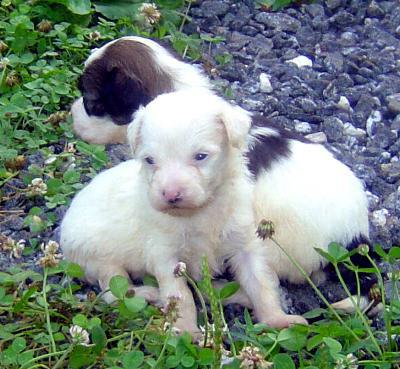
{"x": 121, "y": 80}
{"x": 268, "y": 149}
{"x": 367, "y": 280}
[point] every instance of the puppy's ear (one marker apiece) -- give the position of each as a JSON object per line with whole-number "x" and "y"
{"x": 124, "y": 94}
{"x": 237, "y": 122}
{"x": 134, "y": 129}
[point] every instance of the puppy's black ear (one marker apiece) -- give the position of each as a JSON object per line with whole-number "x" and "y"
{"x": 89, "y": 83}
{"x": 123, "y": 94}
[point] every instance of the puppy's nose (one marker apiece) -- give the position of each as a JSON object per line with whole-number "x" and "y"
{"x": 172, "y": 196}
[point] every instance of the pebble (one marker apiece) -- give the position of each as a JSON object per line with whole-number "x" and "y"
{"x": 394, "y": 103}
{"x": 344, "y": 104}
{"x": 265, "y": 83}
{"x": 350, "y": 130}
{"x": 379, "y": 217}
{"x": 302, "y": 127}
{"x": 301, "y": 61}
{"x": 317, "y": 137}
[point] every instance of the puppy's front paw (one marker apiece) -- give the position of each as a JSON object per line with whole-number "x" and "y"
{"x": 284, "y": 320}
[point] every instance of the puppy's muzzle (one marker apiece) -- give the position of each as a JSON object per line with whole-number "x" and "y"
{"x": 172, "y": 196}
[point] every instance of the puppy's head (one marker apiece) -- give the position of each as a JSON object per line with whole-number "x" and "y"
{"x": 190, "y": 143}
{"x": 120, "y": 77}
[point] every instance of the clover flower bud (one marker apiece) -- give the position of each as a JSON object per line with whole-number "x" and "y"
{"x": 265, "y": 229}
{"x": 180, "y": 269}
{"x": 363, "y": 249}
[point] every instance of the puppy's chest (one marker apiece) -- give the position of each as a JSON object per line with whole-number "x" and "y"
{"x": 197, "y": 244}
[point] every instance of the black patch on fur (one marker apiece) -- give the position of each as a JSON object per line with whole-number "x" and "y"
{"x": 121, "y": 80}
{"x": 268, "y": 149}
{"x": 367, "y": 280}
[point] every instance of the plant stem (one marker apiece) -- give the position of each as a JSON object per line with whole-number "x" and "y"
{"x": 202, "y": 302}
{"x": 164, "y": 346}
{"x": 386, "y": 314}
{"x": 46, "y": 310}
{"x": 44, "y": 356}
{"x": 319, "y": 293}
{"x": 357, "y": 307}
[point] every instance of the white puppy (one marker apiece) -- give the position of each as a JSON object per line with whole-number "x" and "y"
{"x": 186, "y": 194}
{"x": 121, "y": 76}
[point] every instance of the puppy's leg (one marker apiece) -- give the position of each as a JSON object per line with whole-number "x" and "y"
{"x": 261, "y": 285}
{"x": 172, "y": 287}
{"x": 151, "y": 294}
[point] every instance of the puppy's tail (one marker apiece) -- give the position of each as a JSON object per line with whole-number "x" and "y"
{"x": 365, "y": 293}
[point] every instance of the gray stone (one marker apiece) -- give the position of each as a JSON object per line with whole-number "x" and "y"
{"x": 379, "y": 217}
{"x": 374, "y": 10}
{"x": 333, "y": 128}
{"x": 342, "y": 18}
{"x": 315, "y": 9}
{"x": 352, "y": 131}
{"x": 394, "y": 103}
{"x": 391, "y": 171}
{"x": 334, "y": 62}
{"x": 308, "y": 105}
{"x": 278, "y": 21}
{"x": 214, "y": 8}
{"x": 333, "y": 4}
{"x": 302, "y": 127}
{"x": 395, "y": 125}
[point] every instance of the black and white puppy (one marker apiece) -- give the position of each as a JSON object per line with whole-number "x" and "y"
{"x": 120, "y": 77}
{"x": 312, "y": 198}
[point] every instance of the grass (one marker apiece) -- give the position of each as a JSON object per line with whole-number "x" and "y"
{"x": 49, "y": 318}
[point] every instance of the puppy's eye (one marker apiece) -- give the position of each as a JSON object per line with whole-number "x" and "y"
{"x": 200, "y": 156}
{"x": 149, "y": 160}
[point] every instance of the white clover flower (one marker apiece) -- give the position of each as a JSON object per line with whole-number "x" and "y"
{"x": 251, "y": 358}
{"x": 14, "y": 249}
{"x": 37, "y": 187}
{"x": 79, "y": 335}
{"x": 51, "y": 258}
{"x": 347, "y": 362}
{"x": 180, "y": 269}
{"x": 150, "y": 13}
{"x": 4, "y": 62}
{"x": 18, "y": 249}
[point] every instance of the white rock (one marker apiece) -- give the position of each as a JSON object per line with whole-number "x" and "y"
{"x": 301, "y": 61}
{"x": 344, "y": 104}
{"x": 265, "y": 83}
{"x": 350, "y": 130}
{"x": 374, "y": 117}
{"x": 379, "y": 217}
{"x": 318, "y": 137}
{"x": 302, "y": 127}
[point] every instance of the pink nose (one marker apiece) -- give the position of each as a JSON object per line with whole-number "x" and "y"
{"x": 172, "y": 196}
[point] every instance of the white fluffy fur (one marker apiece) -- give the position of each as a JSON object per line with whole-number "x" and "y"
{"x": 313, "y": 200}
{"x": 96, "y": 130}
{"x": 103, "y": 130}
{"x": 122, "y": 223}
